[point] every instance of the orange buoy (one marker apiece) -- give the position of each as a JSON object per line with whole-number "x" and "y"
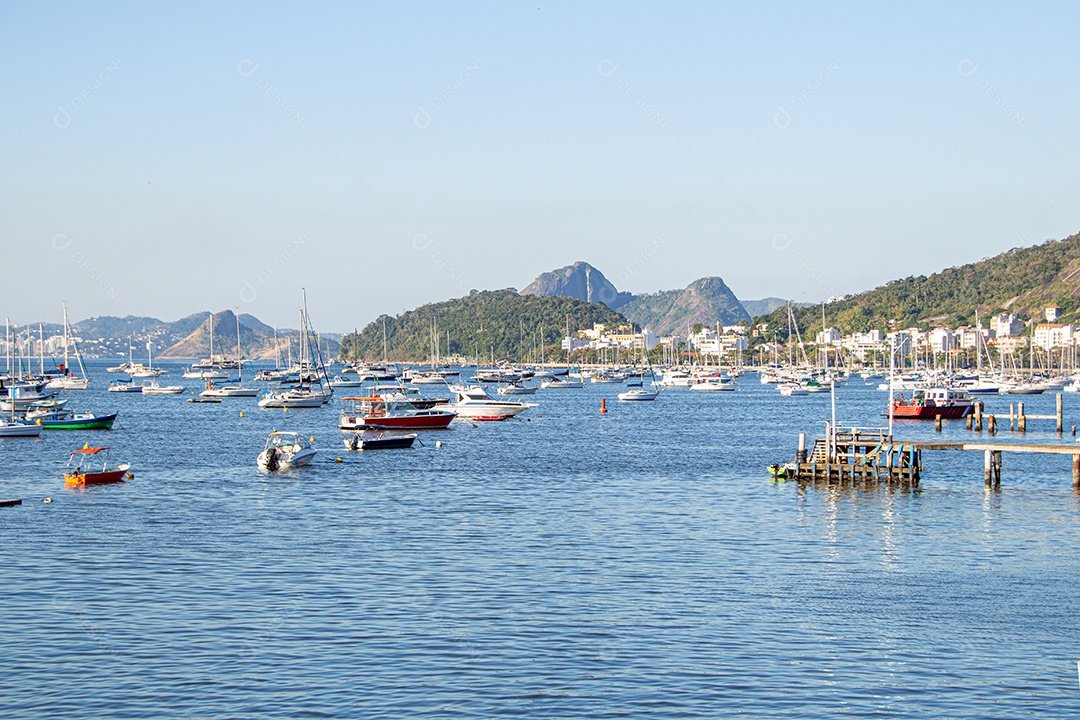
{"x": 603, "y": 405}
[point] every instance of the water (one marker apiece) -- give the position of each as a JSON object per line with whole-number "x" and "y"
{"x": 633, "y": 564}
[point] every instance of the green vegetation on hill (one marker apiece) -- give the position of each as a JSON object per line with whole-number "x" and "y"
{"x": 499, "y": 322}
{"x": 706, "y": 301}
{"x": 1022, "y": 281}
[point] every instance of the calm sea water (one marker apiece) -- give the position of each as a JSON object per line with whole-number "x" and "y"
{"x": 569, "y": 564}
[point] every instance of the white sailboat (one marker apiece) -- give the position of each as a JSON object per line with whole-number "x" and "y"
{"x": 140, "y": 371}
{"x": 230, "y": 390}
{"x": 305, "y": 395}
{"x": 68, "y": 381}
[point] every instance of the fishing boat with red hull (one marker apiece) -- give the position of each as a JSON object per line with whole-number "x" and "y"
{"x": 928, "y": 404}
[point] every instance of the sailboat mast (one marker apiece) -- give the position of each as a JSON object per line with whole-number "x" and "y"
{"x": 66, "y": 341}
{"x": 239, "y": 356}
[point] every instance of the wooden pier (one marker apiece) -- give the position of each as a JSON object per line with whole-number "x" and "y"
{"x": 872, "y": 455}
{"x": 857, "y": 454}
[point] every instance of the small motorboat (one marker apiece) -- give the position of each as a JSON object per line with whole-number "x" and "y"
{"x": 124, "y": 386}
{"x": 15, "y": 428}
{"x": 85, "y": 470}
{"x": 792, "y": 389}
{"x": 779, "y": 472}
{"x": 516, "y": 389}
{"x": 638, "y": 393}
{"x": 379, "y": 440}
{"x": 284, "y": 450}
{"x": 714, "y": 384}
{"x": 555, "y": 383}
{"x": 153, "y": 388}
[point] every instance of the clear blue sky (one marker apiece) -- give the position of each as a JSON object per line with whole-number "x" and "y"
{"x": 162, "y": 158}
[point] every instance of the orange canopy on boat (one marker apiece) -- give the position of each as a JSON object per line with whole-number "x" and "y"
{"x": 88, "y": 450}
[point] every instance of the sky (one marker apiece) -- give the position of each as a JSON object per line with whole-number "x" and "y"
{"x": 166, "y": 158}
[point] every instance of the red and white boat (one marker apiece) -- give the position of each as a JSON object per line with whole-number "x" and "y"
{"x": 393, "y": 411}
{"x": 927, "y": 404}
{"x": 85, "y": 471}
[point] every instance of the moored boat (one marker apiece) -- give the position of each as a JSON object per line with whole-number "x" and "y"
{"x": 67, "y": 420}
{"x": 928, "y": 404}
{"x": 473, "y": 402}
{"x": 85, "y": 473}
{"x": 394, "y": 412}
{"x": 285, "y": 449}
{"x": 379, "y": 440}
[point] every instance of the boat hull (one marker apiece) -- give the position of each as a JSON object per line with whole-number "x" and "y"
{"x": 97, "y": 422}
{"x": 105, "y": 477}
{"x": 930, "y": 412}
{"x": 437, "y": 420}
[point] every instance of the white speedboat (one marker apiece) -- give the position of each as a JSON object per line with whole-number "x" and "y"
{"x": 676, "y": 378}
{"x": 561, "y": 383}
{"x": 152, "y": 388}
{"x": 793, "y": 389}
{"x": 516, "y": 389}
{"x": 124, "y": 386}
{"x": 714, "y": 384}
{"x": 340, "y": 382}
{"x": 299, "y": 397}
{"x": 228, "y": 391}
{"x": 473, "y": 402}
{"x": 638, "y": 393}
{"x": 284, "y": 450}
{"x": 198, "y": 374}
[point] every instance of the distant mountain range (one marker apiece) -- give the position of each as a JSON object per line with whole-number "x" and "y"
{"x": 186, "y": 338}
{"x": 706, "y": 301}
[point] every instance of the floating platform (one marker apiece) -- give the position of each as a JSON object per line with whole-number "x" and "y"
{"x": 10, "y": 503}
{"x": 857, "y": 454}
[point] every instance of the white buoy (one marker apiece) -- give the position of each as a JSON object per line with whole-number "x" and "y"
{"x": 438, "y": 444}
{"x": 49, "y": 500}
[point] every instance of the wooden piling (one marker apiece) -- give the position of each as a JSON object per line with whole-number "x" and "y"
{"x": 1021, "y": 419}
{"x": 800, "y": 456}
{"x": 968, "y": 421}
{"x": 978, "y": 415}
{"x": 1060, "y": 423}
{"x": 997, "y": 469}
{"x": 991, "y": 424}
{"x": 1076, "y": 473}
{"x": 1012, "y": 416}
{"x": 937, "y": 422}
{"x": 988, "y": 467}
